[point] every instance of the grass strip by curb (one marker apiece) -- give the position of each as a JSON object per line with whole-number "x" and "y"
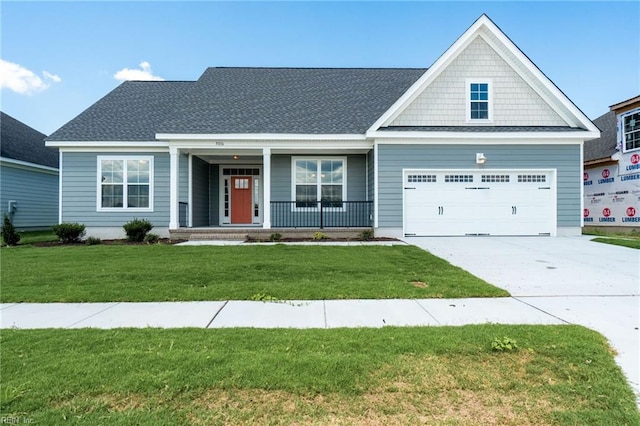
{"x": 435, "y": 375}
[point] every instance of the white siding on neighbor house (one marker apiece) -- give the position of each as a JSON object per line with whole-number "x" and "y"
{"x": 392, "y": 159}
{"x": 444, "y": 101}
{"x": 36, "y": 194}
{"x": 79, "y": 191}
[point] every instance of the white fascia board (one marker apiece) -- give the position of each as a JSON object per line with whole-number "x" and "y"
{"x": 27, "y": 165}
{"x": 482, "y": 137}
{"x": 579, "y": 119}
{"x": 107, "y": 144}
{"x": 532, "y": 140}
{"x": 582, "y": 120}
{"x": 434, "y": 71}
{"x": 256, "y": 136}
{"x": 244, "y": 144}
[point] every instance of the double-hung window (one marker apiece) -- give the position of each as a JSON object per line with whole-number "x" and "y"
{"x": 479, "y": 101}
{"x": 319, "y": 179}
{"x": 631, "y": 130}
{"x": 125, "y": 183}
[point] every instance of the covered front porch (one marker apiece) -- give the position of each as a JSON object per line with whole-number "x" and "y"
{"x": 247, "y": 190}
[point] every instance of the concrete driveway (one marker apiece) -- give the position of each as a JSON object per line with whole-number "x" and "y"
{"x": 572, "y": 278}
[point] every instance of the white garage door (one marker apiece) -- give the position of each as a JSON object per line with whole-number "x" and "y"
{"x": 479, "y": 202}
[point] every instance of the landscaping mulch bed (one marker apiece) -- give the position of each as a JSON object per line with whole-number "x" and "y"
{"x": 167, "y": 241}
{"x": 163, "y": 241}
{"x": 323, "y": 240}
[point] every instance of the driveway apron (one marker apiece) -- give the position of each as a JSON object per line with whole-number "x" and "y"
{"x": 572, "y": 278}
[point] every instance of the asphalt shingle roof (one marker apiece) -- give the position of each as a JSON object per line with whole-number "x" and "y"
{"x": 244, "y": 100}
{"x": 289, "y": 100}
{"x": 21, "y": 142}
{"x": 133, "y": 111}
{"x": 605, "y": 146}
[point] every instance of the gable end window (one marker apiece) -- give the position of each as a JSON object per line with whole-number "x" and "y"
{"x": 479, "y": 101}
{"x": 319, "y": 179}
{"x": 125, "y": 183}
{"x": 631, "y": 131}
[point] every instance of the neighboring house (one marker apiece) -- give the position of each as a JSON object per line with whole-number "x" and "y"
{"x": 28, "y": 176}
{"x": 612, "y": 170}
{"x": 480, "y": 143}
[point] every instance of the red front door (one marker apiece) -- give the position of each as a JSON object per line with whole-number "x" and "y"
{"x": 241, "y": 203}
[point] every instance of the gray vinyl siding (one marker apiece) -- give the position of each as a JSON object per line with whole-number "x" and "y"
{"x": 393, "y": 158}
{"x": 281, "y": 176}
{"x": 79, "y": 193}
{"x": 200, "y": 195}
{"x": 36, "y": 194}
{"x": 183, "y": 182}
{"x": 370, "y": 176}
{"x": 214, "y": 197}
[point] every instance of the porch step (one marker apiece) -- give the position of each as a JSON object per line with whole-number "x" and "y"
{"x": 218, "y": 236}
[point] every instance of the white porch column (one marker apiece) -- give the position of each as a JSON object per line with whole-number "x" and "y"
{"x": 173, "y": 188}
{"x": 266, "y": 190}
{"x": 190, "y": 218}
{"x": 375, "y": 185}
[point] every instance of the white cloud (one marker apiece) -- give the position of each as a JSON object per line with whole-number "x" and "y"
{"x": 53, "y": 77}
{"x": 144, "y": 73}
{"x": 22, "y": 80}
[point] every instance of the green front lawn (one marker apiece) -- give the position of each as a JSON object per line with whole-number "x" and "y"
{"x": 562, "y": 375}
{"x": 171, "y": 273}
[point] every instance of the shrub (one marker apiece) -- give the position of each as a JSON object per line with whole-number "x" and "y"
{"x": 137, "y": 229}
{"x": 69, "y": 232}
{"x": 9, "y": 234}
{"x": 93, "y": 241}
{"x": 275, "y": 237}
{"x": 151, "y": 238}
{"x": 317, "y": 236}
{"x": 366, "y": 235}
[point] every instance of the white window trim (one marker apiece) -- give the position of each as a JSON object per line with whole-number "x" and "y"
{"x": 124, "y": 158}
{"x": 318, "y": 185}
{"x": 468, "y": 82}
{"x": 622, "y": 138}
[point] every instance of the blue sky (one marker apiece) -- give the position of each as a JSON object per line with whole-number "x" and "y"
{"x": 58, "y": 58}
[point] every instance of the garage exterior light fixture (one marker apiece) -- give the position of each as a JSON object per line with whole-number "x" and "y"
{"x": 480, "y": 158}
